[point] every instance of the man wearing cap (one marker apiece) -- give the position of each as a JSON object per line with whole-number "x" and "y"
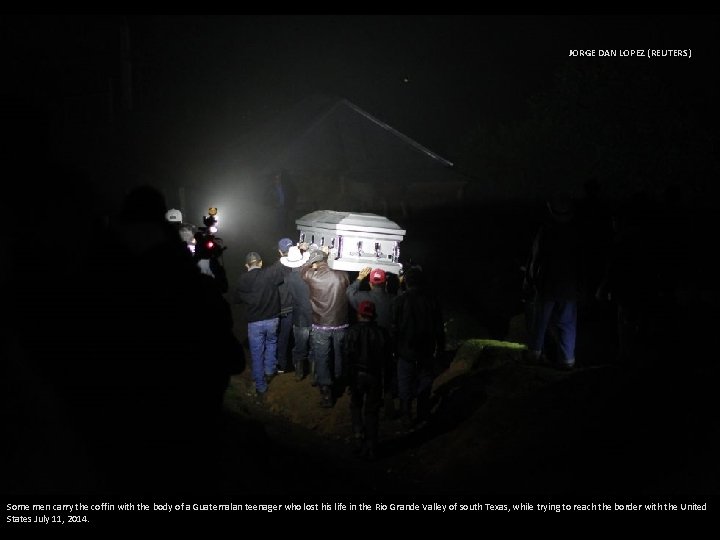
{"x": 301, "y": 309}
{"x": 281, "y": 195}
{"x": 330, "y": 320}
{"x": 553, "y": 276}
{"x": 286, "y": 314}
{"x": 367, "y": 351}
{"x": 258, "y": 290}
{"x": 377, "y": 294}
{"x": 419, "y": 338}
{"x": 381, "y": 299}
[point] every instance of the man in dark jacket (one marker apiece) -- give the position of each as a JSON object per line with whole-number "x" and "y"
{"x": 330, "y": 320}
{"x": 367, "y": 350}
{"x": 139, "y": 397}
{"x": 258, "y": 290}
{"x": 419, "y": 335}
{"x": 553, "y": 274}
{"x": 381, "y": 299}
{"x": 286, "y": 314}
{"x": 301, "y": 309}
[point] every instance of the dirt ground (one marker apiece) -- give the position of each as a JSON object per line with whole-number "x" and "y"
{"x": 500, "y": 426}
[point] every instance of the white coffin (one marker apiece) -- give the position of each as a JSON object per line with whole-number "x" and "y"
{"x": 355, "y": 240}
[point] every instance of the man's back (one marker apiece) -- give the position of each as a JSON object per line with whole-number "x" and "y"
{"x": 555, "y": 263}
{"x": 367, "y": 348}
{"x": 327, "y": 294}
{"x": 417, "y": 325}
{"x": 258, "y": 289}
{"x": 300, "y": 294}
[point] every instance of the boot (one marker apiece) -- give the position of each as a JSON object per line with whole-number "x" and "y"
{"x": 424, "y": 407}
{"x": 532, "y": 357}
{"x": 326, "y": 401}
{"x": 313, "y": 374}
{"x": 357, "y": 439}
{"x": 370, "y": 450}
{"x": 299, "y": 370}
{"x": 405, "y": 416}
{"x": 371, "y": 438}
{"x": 389, "y": 412}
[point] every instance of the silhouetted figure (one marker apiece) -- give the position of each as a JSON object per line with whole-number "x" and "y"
{"x": 302, "y": 312}
{"x": 593, "y": 220}
{"x": 209, "y": 259}
{"x": 258, "y": 290}
{"x": 285, "y": 327}
{"x": 419, "y": 337}
{"x": 330, "y": 321}
{"x": 646, "y": 265}
{"x": 377, "y": 294}
{"x": 553, "y": 274}
{"x": 281, "y": 196}
{"x": 141, "y": 383}
{"x": 392, "y": 284}
{"x": 367, "y": 349}
{"x": 676, "y": 271}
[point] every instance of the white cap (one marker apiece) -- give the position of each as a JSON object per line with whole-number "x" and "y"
{"x": 173, "y": 215}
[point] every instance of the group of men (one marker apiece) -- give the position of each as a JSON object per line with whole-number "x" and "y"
{"x": 347, "y": 334}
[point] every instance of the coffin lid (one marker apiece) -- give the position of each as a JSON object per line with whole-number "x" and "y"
{"x": 350, "y": 222}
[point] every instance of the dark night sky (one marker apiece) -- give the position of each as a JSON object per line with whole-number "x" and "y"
{"x": 201, "y": 81}
{"x": 432, "y": 77}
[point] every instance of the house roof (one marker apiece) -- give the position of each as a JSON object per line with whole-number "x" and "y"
{"x": 333, "y": 135}
{"x": 340, "y": 107}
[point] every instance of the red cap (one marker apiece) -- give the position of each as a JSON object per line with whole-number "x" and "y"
{"x": 377, "y": 276}
{"x": 366, "y": 309}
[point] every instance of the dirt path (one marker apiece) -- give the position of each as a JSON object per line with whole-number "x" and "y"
{"x": 499, "y": 427}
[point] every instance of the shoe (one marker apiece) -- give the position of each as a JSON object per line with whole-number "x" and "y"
{"x": 260, "y": 397}
{"x": 326, "y": 403}
{"x": 326, "y": 400}
{"x": 254, "y": 392}
{"x": 566, "y": 367}
{"x": 280, "y": 371}
{"x": 406, "y": 423}
{"x": 389, "y": 412}
{"x": 370, "y": 452}
{"x": 358, "y": 444}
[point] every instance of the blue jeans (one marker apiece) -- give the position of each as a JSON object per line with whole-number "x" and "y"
{"x": 414, "y": 378}
{"x": 301, "y": 349}
{"x": 327, "y": 352}
{"x": 283, "y": 342}
{"x": 365, "y": 402}
{"x": 562, "y": 315}
{"x": 262, "y": 338}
